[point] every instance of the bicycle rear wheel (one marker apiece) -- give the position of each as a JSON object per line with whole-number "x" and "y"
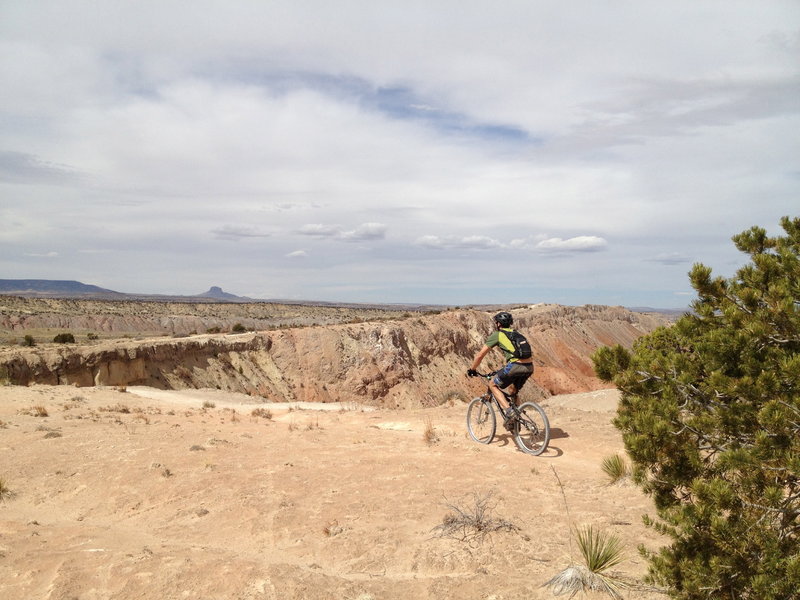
{"x": 532, "y": 429}
{"x": 481, "y": 421}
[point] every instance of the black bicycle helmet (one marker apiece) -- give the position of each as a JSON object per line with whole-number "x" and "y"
{"x": 503, "y": 319}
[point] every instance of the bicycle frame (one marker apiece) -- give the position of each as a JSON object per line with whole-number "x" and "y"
{"x": 527, "y": 422}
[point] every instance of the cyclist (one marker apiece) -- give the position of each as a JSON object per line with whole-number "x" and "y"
{"x": 517, "y": 370}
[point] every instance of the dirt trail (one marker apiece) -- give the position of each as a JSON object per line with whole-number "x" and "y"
{"x": 146, "y": 494}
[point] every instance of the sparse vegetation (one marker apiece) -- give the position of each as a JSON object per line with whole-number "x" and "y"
{"x": 208, "y": 404}
{"x": 600, "y": 552}
{"x": 6, "y": 492}
{"x": 332, "y": 528}
{"x": 238, "y": 328}
{"x": 473, "y": 522}
{"x": 120, "y": 408}
{"x": 264, "y": 413}
{"x": 616, "y": 468}
{"x": 64, "y": 338}
{"x": 430, "y": 435}
{"x": 28, "y": 340}
{"x": 35, "y": 411}
{"x": 452, "y": 398}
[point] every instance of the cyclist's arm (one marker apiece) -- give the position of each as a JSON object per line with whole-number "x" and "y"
{"x": 479, "y": 357}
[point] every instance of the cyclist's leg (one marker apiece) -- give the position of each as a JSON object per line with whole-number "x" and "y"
{"x": 499, "y": 382}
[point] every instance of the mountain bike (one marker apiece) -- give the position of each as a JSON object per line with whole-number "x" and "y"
{"x": 527, "y": 423}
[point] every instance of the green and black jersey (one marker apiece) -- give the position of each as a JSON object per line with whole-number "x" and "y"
{"x": 503, "y": 342}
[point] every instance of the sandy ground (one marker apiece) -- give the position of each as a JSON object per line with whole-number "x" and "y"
{"x": 142, "y": 493}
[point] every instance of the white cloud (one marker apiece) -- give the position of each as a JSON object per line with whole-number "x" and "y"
{"x": 471, "y": 242}
{"x": 297, "y": 254}
{"x": 670, "y": 258}
{"x": 320, "y": 230}
{"x": 581, "y": 243}
{"x": 364, "y": 232}
{"x": 237, "y": 232}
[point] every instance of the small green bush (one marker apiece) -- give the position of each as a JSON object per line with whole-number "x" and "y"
{"x": 238, "y": 328}
{"x": 28, "y": 341}
{"x": 615, "y": 467}
{"x": 64, "y": 338}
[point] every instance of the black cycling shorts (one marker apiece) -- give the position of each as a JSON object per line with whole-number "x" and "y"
{"x": 513, "y": 372}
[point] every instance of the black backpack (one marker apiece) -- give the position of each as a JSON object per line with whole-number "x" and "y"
{"x": 522, "y": 349}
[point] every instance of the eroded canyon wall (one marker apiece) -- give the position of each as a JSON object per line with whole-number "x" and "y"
{"x": 396, "y": 363}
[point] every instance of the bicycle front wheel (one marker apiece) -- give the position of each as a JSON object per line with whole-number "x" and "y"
{"x": 532, "y": 429}
{"x": 481, "y": 422}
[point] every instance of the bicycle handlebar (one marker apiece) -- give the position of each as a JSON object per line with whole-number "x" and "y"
{"x": 484, "y": 375}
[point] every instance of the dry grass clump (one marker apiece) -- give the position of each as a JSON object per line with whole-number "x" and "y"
{"x": 616, "y": 468}
{"x": 208, "y": 404}
{"x": 452, "y": 398}
{"x": 6, "y": 492}
{"x": 473, "y": 522}
{"x": 119, "y": 408}
{"x": 312, "y": 425}
{"x": 333, "y": 528}
{"x": 35, "y": 411}
{"x": 430, "y": 435}
{"x": 264, "y": 413}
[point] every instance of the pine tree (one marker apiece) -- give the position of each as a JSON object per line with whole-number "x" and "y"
{"x": 710, "y": 416}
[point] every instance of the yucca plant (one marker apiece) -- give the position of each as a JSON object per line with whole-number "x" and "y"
{"x": 600, "y": 552}
{"x": 615, "y": 467}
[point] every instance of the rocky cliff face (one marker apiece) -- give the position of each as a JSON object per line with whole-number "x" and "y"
{"x": 400, "y": 363}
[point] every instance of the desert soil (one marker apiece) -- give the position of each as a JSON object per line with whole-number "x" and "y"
{"x": 144, "y": 493}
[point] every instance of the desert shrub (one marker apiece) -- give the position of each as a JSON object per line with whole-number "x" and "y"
{"x": 208, "y": 404}
{"x": 28, "y": 340}
{"x": 262, "y": 412}
{"x": 64, "y": 338}
{"x": 37, "y": 411}
{"x": 238, "y": 328}
{"x": 472, "y": 522}
{"x": 615, "y": 467}
{"x": 710, "y": 417}
{"x": 120, "y": 408}
{"x": 92, "y": 336}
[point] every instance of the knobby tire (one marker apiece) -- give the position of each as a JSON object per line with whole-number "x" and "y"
{"x": 532, "y": 429}
{"x": 481, "y": 421}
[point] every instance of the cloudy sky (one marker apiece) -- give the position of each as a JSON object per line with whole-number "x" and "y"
{"x": 438, "y": 151}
